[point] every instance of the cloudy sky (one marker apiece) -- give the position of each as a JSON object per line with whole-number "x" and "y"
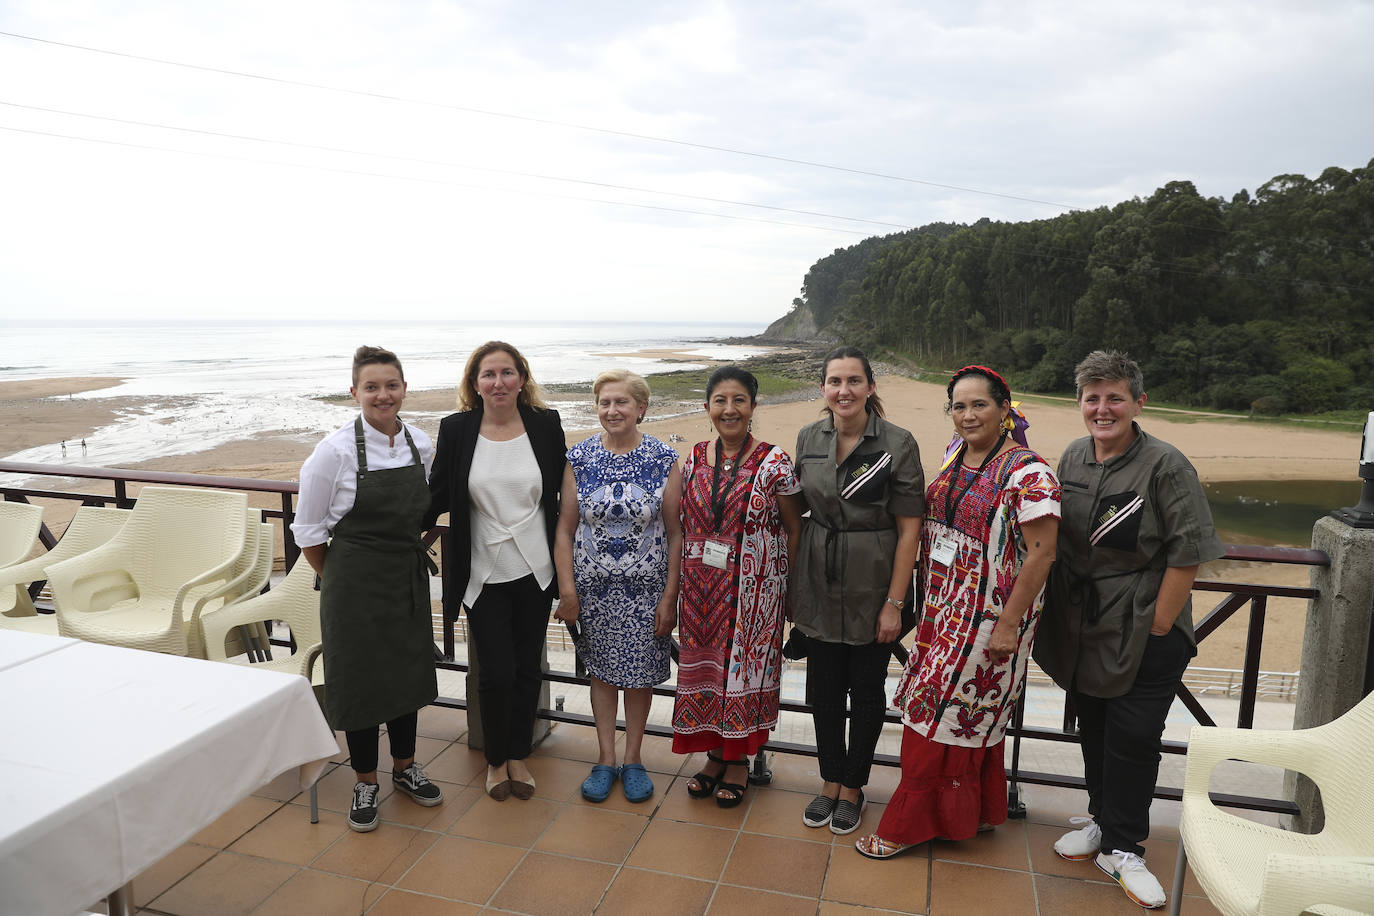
{"x": 647, "y": 160}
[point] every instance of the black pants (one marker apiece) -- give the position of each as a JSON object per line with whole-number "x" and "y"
{"x": 362, "y": 744}
{"x": 1121, "y": 742}
{"x": 836, "y": 672}
{"x": 507, "y": 624}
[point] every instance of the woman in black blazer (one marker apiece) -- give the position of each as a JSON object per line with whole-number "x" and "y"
{"x": 497, "y": 471}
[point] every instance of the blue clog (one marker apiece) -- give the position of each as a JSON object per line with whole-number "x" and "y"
{"x": 597, "y": 786}
{"x": 638, "y": 786}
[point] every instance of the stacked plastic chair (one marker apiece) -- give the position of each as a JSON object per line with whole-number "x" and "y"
{"x": 133, "y": 591}
{"x": 295, "y": 602}
{"x": 1257, "y": 870}
{"x": 19, "y": 524}
{"x": 90, "y": 527}
{"x": 250, "y": 573}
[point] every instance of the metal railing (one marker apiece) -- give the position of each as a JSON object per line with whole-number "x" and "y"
{"x": 1247, "y": 685}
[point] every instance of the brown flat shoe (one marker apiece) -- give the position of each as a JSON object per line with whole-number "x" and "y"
{"x": 522, "y": 790}
{"x": 499, "y": 790}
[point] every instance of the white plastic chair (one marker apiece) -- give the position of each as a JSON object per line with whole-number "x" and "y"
{"x": 1256, "y": 870}
{"x": 250, "y": 573}
{"x": 296, "y": 603}
{"x": 176, "y": 541}
{"x": 19, "y": 524}
{"x": 90, "y": 527}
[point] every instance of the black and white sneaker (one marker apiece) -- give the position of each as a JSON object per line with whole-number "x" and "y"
{"x": 819, "y": 812}
{"x": 362, "y": 817}
{"x": 413, "y": 782}
{"x": 845, "y": 820}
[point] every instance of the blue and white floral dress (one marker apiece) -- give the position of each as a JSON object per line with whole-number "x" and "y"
{"x": 620, "y": 559}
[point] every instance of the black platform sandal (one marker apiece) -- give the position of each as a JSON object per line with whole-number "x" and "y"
{"x": 706, "y": 783}
{"x": 736, "y": 789}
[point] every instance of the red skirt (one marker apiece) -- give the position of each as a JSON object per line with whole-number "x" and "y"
{"x": 730, "y": 748}
{"x": 946, "y": 791}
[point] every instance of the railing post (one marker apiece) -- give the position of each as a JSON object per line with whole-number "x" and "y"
{"x": 1016, "y": 808}
{"x": 1249, "y": 678}
{"x": 1335, "y": 645}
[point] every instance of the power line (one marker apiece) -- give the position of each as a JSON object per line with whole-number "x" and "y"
{"x": 422, "y": 180}
{"x": 451, "y": 164}
{"x": 485, "y": 112}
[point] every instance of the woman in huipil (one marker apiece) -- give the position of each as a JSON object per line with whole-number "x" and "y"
{"x": 986, "y": 549}
{"x": 740, "y": 519}
{"x": 498, "y": 471}
{"x": 618, "y": 553}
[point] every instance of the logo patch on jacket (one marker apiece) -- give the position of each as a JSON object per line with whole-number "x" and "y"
{"x": 1116, "y": 522}
{"x": 866, "y": 481}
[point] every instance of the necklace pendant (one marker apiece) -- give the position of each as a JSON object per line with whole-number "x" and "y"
{"x": 727, "y": 465}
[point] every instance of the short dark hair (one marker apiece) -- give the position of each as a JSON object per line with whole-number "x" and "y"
{"x": 875, "y": 403}
{"x": 372, "y": 356}
{"x": 736, "y": 374}
{"x": 1109, "y": 366}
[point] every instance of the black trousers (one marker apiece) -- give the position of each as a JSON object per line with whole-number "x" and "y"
{"x": 508, "y": 623}
{"x": 362, "y": 744}
{"x": 1121, "y": 742}
{"x": 836, "y": 673}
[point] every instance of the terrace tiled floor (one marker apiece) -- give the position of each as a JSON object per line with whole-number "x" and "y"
{"x": 557, "y": 854}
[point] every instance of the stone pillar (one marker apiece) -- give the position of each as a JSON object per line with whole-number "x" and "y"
{"x": 1335, "y": 646}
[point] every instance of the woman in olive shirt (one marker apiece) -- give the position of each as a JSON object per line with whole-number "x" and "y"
{"x": 861, "y": 479}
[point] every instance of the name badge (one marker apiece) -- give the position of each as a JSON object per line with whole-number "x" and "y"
{"x": 943, "y": 552}
{"x": 716, "y": 554}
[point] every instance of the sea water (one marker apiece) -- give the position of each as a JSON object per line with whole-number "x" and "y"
{"x": 200, "y": 385}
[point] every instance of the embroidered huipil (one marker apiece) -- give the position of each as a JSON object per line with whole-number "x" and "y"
{"x": 951, "y": 692}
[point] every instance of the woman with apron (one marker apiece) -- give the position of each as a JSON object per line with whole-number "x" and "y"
{"x": 363, "y": 493}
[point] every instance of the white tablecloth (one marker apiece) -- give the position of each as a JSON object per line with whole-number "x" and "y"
{"x": 111, "y": 758}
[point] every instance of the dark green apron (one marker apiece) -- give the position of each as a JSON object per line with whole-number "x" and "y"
{"x": 374, "y": 600}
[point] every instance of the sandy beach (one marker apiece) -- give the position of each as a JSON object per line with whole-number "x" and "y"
{"x": 37, "y": 412}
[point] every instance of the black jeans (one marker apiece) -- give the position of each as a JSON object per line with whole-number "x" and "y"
{"x": 362, "y": 744}
{"x": 507, "y": 624}
{"x": 1121, "y": 742}
{"x": 837, "y": 672}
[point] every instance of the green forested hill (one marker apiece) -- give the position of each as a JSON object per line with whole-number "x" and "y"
{"x": 1263, "y": 301}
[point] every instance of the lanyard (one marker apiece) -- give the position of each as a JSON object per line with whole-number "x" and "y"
{"x": 951, "y": 500}
{"x": 718, "y": 499}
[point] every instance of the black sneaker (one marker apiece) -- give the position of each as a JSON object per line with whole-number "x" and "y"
{"x": 845, "y": 820}
{"x": 819, "y": 812}
{"x": 413, "y": 782}
{"x": 362, "y": 817}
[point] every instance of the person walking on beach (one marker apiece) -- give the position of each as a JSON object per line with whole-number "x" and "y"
{"x": 363, "y": 495}
{"x": 853, "y": 574}
{"x": 498, "y": 473}
{"x": 1117, "y": 631}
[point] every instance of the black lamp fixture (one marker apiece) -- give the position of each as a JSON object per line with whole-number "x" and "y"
{"x": 1361, "y": 515}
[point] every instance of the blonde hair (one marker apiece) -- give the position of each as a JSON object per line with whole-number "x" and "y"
{"x": 530, "y": 392}
{"x": 638, "y": 387}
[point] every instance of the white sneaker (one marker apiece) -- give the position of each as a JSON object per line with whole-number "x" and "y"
{"x": 1084, "y": 843}
{"x": 1135, "y": 879}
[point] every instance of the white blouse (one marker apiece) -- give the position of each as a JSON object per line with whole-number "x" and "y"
{"x": 509, "y": 539}
{"x": 329, "y": 477}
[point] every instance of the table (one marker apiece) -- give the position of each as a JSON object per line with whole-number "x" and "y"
{"x": 111, "y": 758}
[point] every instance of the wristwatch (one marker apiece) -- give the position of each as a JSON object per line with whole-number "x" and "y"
{"x": 895, "y": 603}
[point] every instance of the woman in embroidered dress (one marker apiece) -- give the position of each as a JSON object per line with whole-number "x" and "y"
{"x": 986, "y": 549}
{"x": 618, "y": 551}
{"x": 740, "y": 519}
